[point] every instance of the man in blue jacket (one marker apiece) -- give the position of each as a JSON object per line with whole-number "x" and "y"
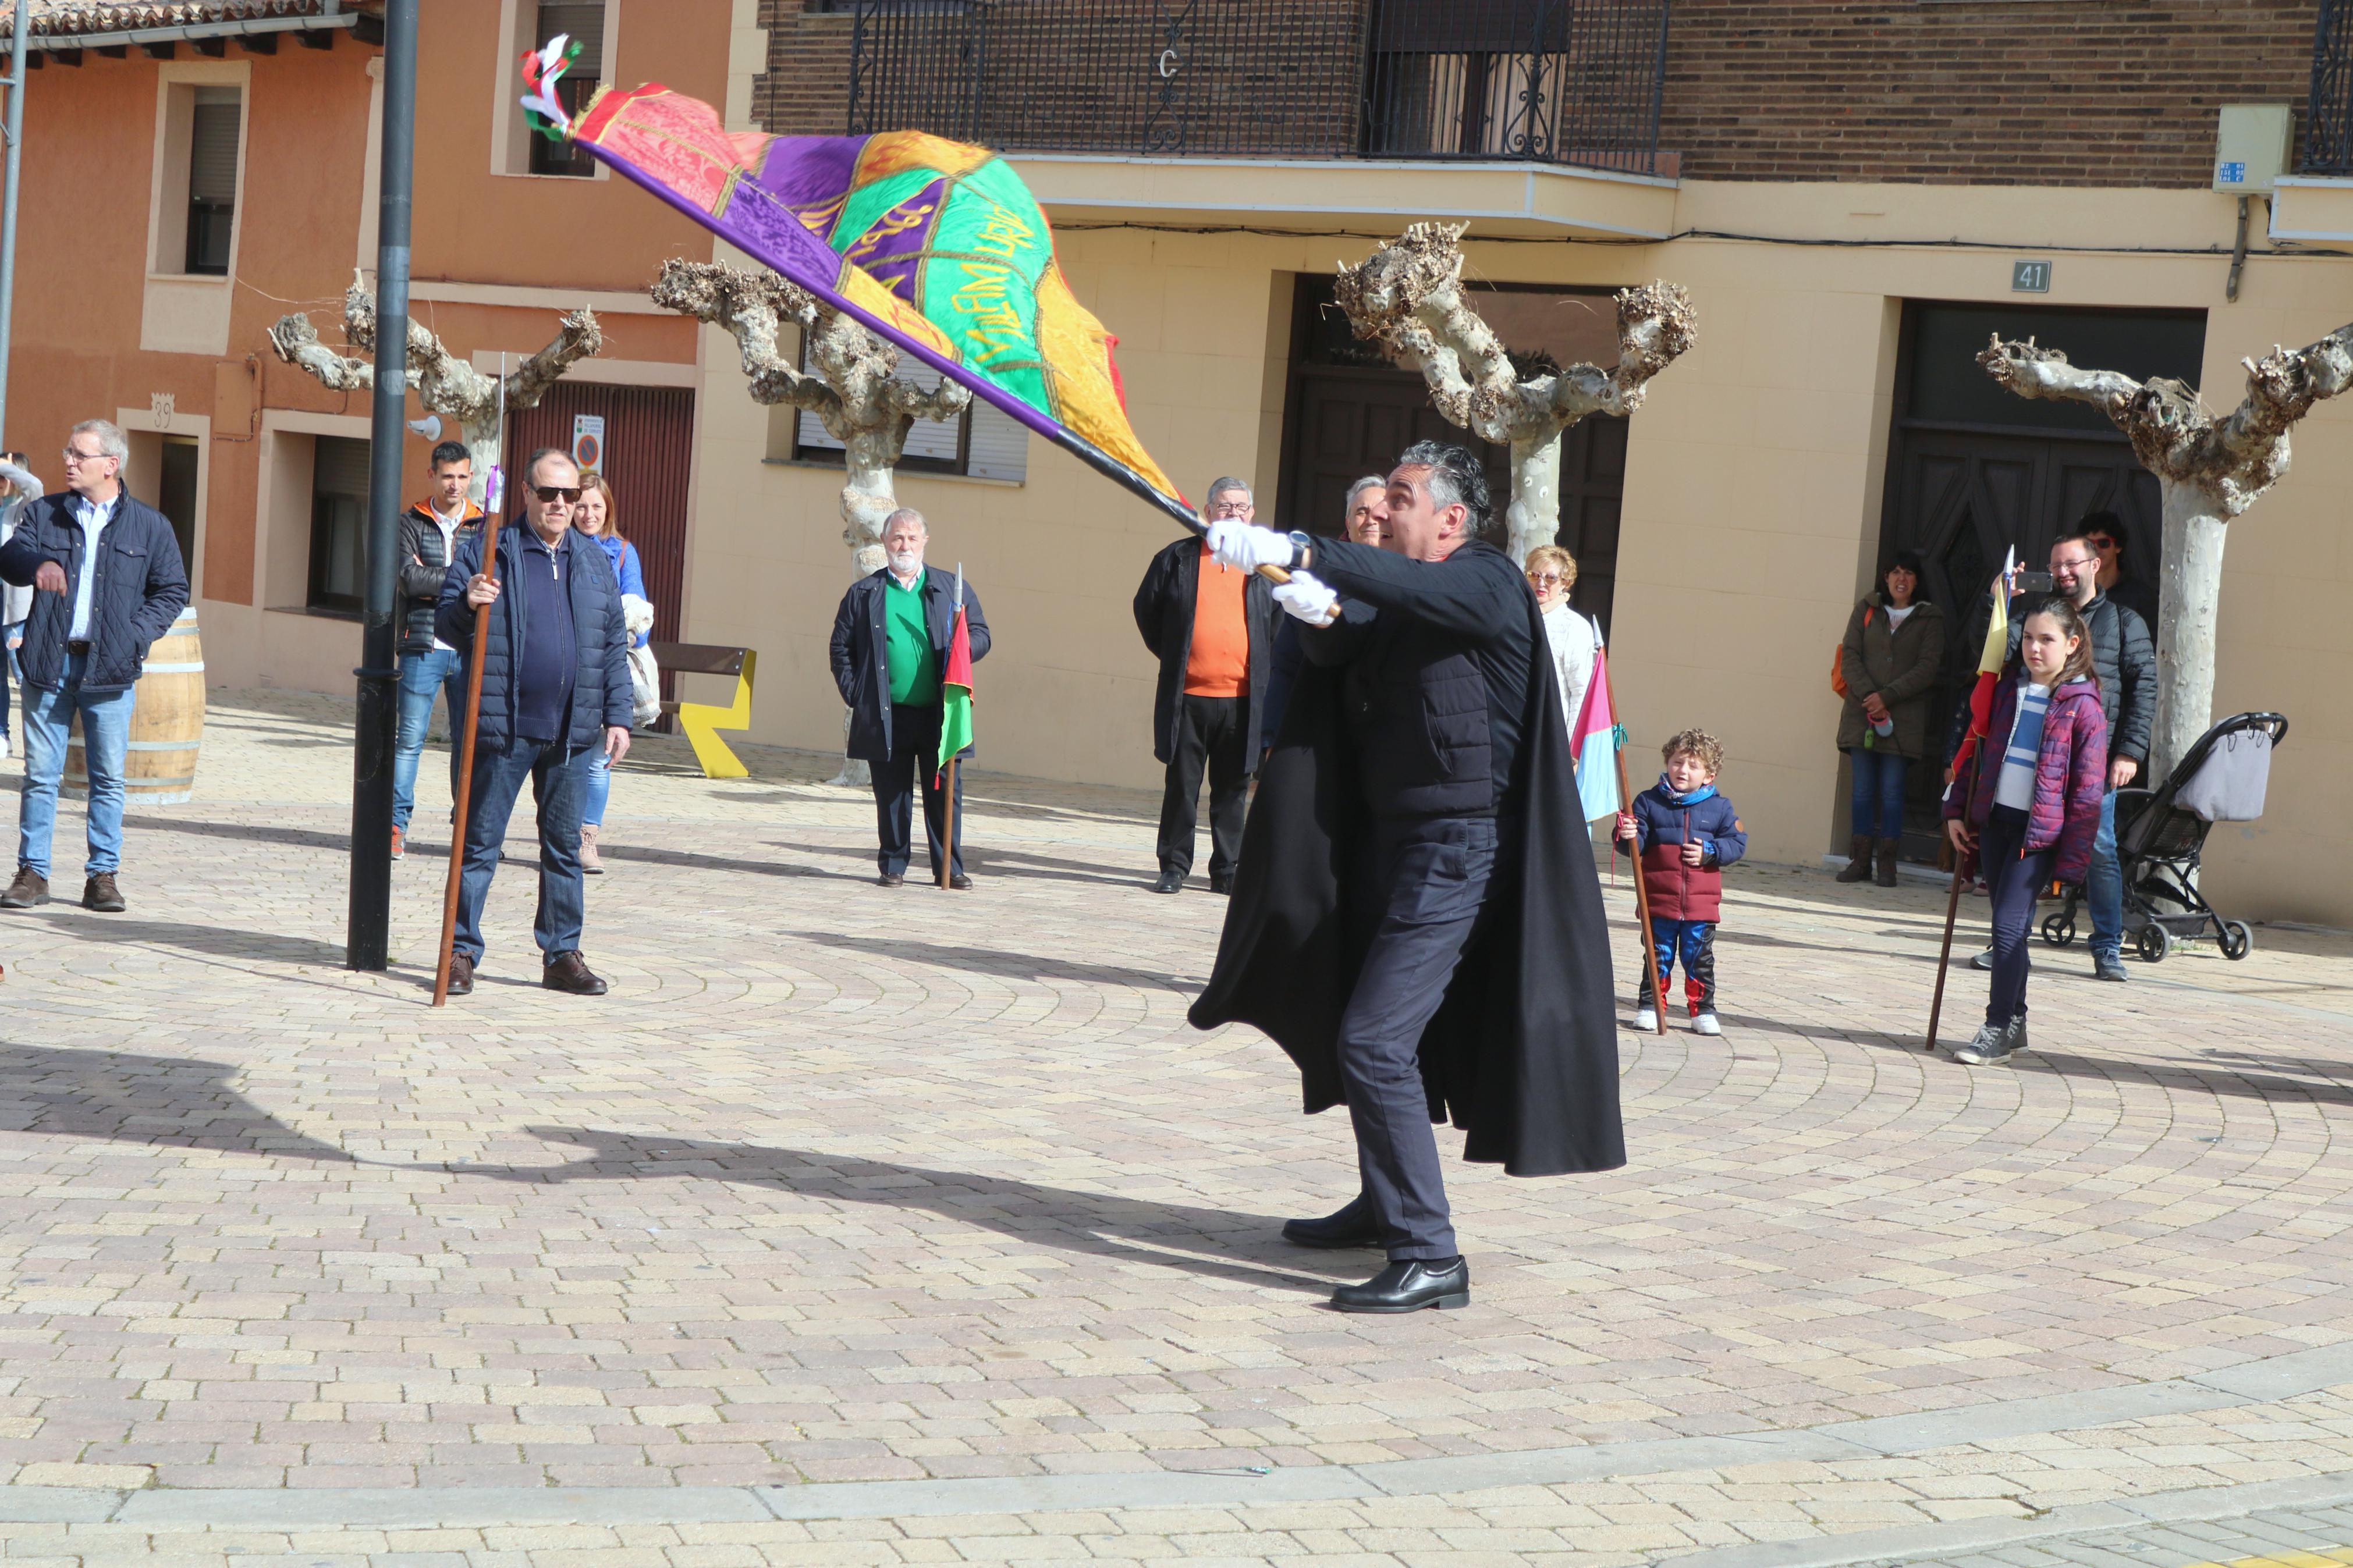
{"x": 110, "y": 582}
{"x": 889, "y": 644}
{"x": 555, "y": 692}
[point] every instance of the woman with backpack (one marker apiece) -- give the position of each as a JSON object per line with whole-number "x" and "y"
{"x": 2032, "y": 805}
{"x": 1887, "y": 663}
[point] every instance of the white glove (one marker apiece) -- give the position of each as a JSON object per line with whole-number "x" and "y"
{"x": 1308, "y": 599}
{"x": 1247, "y": 546}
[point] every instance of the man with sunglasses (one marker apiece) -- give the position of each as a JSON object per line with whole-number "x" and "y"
{"x": 556, "y": 691}
{"x": 2106, "y": 534}
{"x": 108, "y": 582}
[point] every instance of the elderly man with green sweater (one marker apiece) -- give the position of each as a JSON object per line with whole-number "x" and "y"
{"x": 889, "y": 644}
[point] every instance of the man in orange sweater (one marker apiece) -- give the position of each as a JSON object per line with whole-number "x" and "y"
{"x": 1211, "y": 628}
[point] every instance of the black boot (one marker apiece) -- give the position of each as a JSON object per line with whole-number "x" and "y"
{"x": 1858, "y": 860}
{"x": 1884, "y": 873}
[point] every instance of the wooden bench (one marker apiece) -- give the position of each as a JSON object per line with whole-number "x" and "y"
{"x": 703, "y": 721}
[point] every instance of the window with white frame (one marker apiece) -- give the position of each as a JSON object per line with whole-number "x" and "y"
{"x": 214, "y": 120}
{"x": 339, "y": 504}
{"x": 982, "y": 443}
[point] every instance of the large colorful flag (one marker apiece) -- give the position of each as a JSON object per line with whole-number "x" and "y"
{"x": 956, "y": 687}
{"x": 1593, "y": 742}
{"x": 935, "y": 245}
{"x": 1990, "y": 658}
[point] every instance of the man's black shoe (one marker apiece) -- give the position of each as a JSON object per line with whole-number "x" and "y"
{"x": 1222, "y": 883}
{"x": 568, "y": 972}
{"x": 960, "y": 882}
{"x": 890, "y": 879}
{"x": 1407, "y": 1286}
{"x": 1170, "y": 882}
{"x": 462, "y": 975}
{"x": 1352, "y": 1227}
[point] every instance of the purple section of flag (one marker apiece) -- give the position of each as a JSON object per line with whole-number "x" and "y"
{"x": 805, "y": 171}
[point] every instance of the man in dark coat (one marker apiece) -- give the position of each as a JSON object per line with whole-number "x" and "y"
{"x": 1417, "y": 920}
{"x": 429, "y": 542}
{"x": 110, "y": 582}
{"x": 889, "y": 644}
{"x": 556, "y": 691}
{"x": 1212, "y": 628}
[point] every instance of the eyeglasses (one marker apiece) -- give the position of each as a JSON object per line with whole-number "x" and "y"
{"x": 1543, "y": 579}
{"x": 567, "y": 494}
{"x": 1230, "y": 509}
{"x": 2104, "y": 546}
{"x": 73, "y": 456}
{"x": 2071, "y": 565}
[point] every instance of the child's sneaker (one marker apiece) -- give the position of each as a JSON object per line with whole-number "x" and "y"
{"x": 1988, "y": 1046}
{"x": 1646, "y": 1019}
{"x": 1705, "y": 1024}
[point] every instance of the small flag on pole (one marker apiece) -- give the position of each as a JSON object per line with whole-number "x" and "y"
{"x": 1594, "y": 743}
{"x": 956, "y": 686}
{"x": 1990, "y": 662}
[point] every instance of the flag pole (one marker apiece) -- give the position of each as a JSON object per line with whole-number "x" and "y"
{"x": 494, "y": 493}
{"x": 1952, "y": 907}
{"x": 947, "y": 850}
{"x": 1641, "y": 893}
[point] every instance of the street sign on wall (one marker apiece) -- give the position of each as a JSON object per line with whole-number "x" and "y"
{"x": 588, "y": 442}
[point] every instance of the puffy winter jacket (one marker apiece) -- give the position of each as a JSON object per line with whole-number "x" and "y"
{"x": 602, "y": 696}
{"x": 1664, "y": 822}
{"x": 139, "y": 590}
{"x": 2071, "y": 773}
{"x": 2122, "y": 653}
{"x": 424, "y": 567}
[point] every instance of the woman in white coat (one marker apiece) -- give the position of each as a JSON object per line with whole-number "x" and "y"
{"x": 1551, "y": 573}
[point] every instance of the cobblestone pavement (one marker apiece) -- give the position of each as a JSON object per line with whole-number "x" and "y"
{"x": 876, "y": 1226}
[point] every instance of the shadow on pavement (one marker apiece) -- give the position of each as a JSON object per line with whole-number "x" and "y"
{"x": 1131, "y": 1230}
{"x": 993, "y": 960}
{"x": 172, "y": 1102}
{"x": 212, "y": 941}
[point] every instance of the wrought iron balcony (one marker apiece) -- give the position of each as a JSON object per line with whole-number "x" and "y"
{"x": 1548, "y": 81}
{"x": 2328, "y": 124}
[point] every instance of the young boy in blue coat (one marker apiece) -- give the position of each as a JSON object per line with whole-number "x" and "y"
{"x": 1684, "y": 834}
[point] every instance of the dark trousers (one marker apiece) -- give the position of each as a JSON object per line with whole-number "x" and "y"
{"x": 915, "y": 754}
{"x": 2012, "y": 880}
{"x": 559, "y": 782}
{"x": 1695, "y": 943}
{"x": 1208, "y": 732}
{"x": 1432, "y": 878}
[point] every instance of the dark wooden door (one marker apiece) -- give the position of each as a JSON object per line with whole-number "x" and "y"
{"x": 649, "y": 460}
{"x": 1345, "y": 422}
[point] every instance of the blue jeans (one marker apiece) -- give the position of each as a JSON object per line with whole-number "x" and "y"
{"x": 421, "y": 675}
{"x": 2012, "y": 878}
{"x": 600, "y": 788}
{"x": 1878, "y": 802}
{"x": 106, "y": 736}
{"x": 2103, "y": 885}
{"x": 559, "y": 780}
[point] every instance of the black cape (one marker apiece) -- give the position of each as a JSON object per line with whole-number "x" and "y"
{"x": 1522, "y": 1055}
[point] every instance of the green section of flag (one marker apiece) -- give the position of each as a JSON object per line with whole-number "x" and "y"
{"x": 956, "y": 722}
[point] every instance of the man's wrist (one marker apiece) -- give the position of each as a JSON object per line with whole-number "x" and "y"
{"x": 1303, "y": 550}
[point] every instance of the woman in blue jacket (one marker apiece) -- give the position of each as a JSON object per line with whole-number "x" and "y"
{"x": 597, "y": 517}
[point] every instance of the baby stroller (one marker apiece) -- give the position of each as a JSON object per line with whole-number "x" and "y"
{"x": 2161, "y": 833}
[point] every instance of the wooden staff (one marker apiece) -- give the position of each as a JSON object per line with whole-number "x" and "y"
{"x": 947, "y": 850}
{"x": 1953, "y": 899}
{"x": 473, "y": 721}
{"x": 1641, "y": 894}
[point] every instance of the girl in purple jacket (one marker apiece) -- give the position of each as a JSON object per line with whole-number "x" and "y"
{"x": 2033, "y": 804}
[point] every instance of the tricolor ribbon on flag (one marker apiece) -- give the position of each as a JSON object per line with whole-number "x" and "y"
{"x": 956, "y": 687}
{"x": 1990, "y": 659}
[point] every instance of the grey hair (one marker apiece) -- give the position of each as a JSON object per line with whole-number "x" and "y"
{"x": 1218, "y": 487}
{"x": 1369, "y": 482}
{"x": 111, "y": 442}
{"x": 907, "y": 511}
{"x": 1455, "y": 478}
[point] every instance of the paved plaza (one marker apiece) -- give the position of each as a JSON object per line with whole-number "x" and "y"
{"x": 876, "y": 1226}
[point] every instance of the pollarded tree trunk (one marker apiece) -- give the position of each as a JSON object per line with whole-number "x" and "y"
{"x": 445, "y": 383}
{"x": 854, "y": 393}
{"x": 1407, "y": 297}
{"x": 2210, "y": 471}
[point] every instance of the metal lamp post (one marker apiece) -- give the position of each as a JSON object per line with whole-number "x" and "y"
{"x": 368, "y": 940}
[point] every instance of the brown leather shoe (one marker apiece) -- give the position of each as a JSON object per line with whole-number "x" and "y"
{"x": 30, "y": 888}
{"x": 462, "y": 975}
{"x": 568, "y": 972}
{"x": 100, "y": 893}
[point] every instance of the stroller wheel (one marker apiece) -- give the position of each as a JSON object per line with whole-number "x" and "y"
{"x": 2238, "y": 939}
{"x": 2059, "y": 929}
{"x": 2153, "y": 943}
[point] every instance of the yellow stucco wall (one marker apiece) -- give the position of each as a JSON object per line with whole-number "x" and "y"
{"x": 1752, "y": 500}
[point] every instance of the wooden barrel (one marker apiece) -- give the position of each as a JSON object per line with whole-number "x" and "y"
{"x": 167, "y": 724}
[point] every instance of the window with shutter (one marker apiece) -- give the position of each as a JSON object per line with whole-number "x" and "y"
{"x": 212, "y": 178}
{"x": 339, "y": 501}
{"x": 583, "y": 21}
{"x": 983, "y": 442}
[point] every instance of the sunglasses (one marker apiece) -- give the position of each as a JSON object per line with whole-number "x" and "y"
{"x": 567, "y": 494}
{"x": 1543, "y": 579}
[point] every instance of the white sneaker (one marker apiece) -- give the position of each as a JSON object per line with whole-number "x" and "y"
{"x": 4, "y": 744}
{"x": 1705, "y": 1024}
{"x": 1647, "y": 1020}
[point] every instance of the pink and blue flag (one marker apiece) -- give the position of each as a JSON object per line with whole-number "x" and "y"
{"x": 1593, "y": 741}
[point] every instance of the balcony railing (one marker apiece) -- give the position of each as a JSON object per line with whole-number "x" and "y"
{"x": 2328, "y": 126}
{"x": 1549, "y": 82}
